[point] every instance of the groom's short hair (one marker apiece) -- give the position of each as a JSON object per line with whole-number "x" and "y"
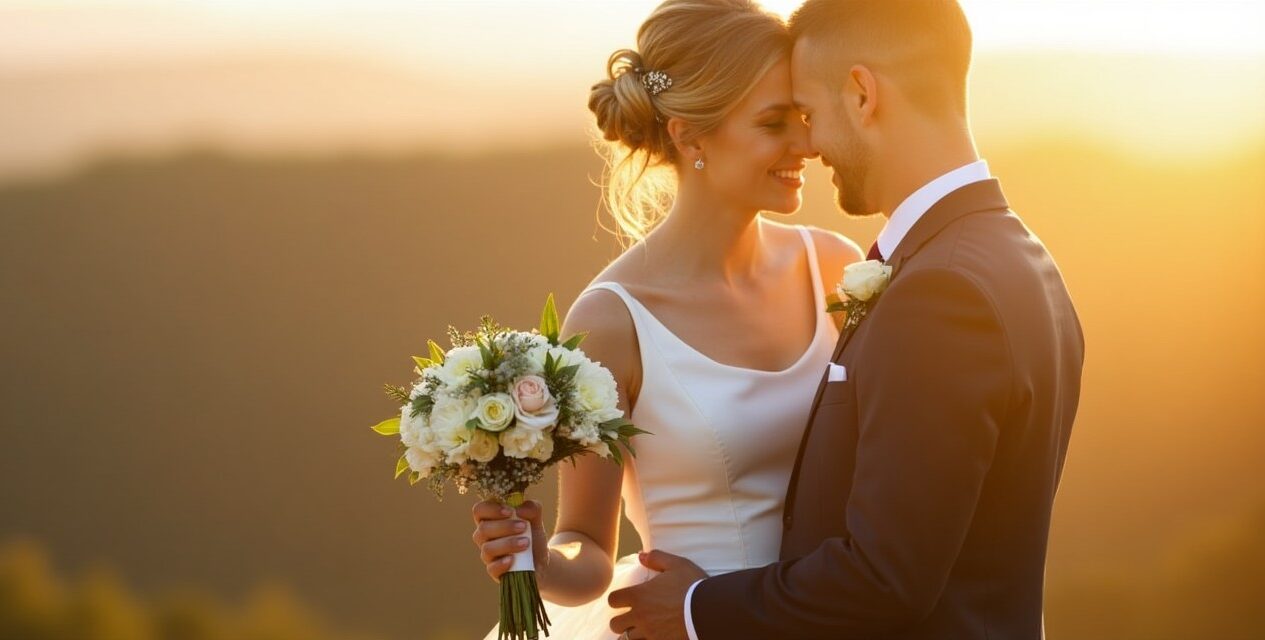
{"x": 924, "y": 45}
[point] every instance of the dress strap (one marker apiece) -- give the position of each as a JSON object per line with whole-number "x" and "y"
{"x": 634, "y": 307}
{"x": 819, "y": 294}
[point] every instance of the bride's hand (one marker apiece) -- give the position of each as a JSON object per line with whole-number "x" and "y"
{"x": 498, "y": 535}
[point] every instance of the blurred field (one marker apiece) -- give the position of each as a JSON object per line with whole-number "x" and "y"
{"x": 194, "y": 348}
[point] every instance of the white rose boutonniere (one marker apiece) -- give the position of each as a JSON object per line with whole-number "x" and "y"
{"x": 859, "y": 289}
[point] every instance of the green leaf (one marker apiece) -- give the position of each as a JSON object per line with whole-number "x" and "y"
{"x": 835, "y": 307}
{"x": 568, "y": 372}
{"x": 422, "y": 363}
{"x": 414, "y": 478}
{"x": 628, "y": 445}
{"x": 401, "y": 466}
{"x": 549, "y": 325}
{"x": 489, "y": 362}
{"x": 616, "y": 455}
{"x": 473, "y": 423}
{"x": 388, "y": 427}
{"x": 615, "y": 424}
{"x": 550, "y": 364}
{"x": 436, "y": 353}
{"x": 575, "y": 340}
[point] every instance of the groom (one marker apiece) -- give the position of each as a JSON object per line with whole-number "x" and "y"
{"x": 919, "y": 507}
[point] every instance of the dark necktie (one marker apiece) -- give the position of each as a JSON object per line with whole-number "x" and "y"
{"x": 874, "y": 253}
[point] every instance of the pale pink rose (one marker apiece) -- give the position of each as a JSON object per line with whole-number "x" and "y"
{"x": 535, "y": 407}
{"x": 530, "y": 393}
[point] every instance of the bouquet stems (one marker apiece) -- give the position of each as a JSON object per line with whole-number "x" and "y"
{"x": 523, "y": 614}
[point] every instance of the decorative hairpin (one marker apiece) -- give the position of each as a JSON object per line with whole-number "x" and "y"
{"x": 655, "y": 81}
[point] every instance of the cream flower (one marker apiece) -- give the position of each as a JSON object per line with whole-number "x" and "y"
{"x": 596, "y": 392}
{"x": 543, "y": 449}
{"x": 494, "y": 411}
{"x": 586, "y": 433}
{"x": 483, "y": 446}
{"x": 448, "y": 421}
{"x": 411, "y": 427}
{"x": 520, "y": 442}
{"x": 421, "y": 460}
{"x": 864, "y": 280}
{"x": 458, "y": 364}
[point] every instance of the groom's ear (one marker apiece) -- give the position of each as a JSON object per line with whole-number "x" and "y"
{"x": 683, "y": 138}
{"x": 861, "y": 93}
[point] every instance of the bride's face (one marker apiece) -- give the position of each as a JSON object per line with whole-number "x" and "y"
{"x": 755, "y": 160}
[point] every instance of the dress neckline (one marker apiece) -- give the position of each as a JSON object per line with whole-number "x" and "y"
{"x": 818, "y": 308}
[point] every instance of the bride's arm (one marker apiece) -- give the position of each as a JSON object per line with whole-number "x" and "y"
{"x": 576, "y": 564}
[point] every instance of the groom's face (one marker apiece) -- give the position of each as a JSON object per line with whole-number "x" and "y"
{"x": 831, "y": 131}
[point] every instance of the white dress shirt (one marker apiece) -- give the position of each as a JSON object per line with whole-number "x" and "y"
{"x": 898, "y": 225}
{"x": 919, "y": 202}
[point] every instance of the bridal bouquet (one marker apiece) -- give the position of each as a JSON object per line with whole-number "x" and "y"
{"x": 492, "y": 413}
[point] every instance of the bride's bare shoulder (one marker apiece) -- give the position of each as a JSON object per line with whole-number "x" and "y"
{"x": 834, "y": 252}
{"x": 611, "y": 334}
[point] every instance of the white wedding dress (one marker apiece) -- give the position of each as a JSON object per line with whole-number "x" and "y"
{"x": 709, "y": 484}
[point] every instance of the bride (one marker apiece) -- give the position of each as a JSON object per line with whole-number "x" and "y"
{"x": 713, "y": 322}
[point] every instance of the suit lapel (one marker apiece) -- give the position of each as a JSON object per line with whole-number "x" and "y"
{"x": 976, "y": 197}
{"x": 980, "y": 196}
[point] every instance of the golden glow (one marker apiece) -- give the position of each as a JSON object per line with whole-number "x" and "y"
{"x": 569, "y": 550}
{"x": 397, "y": 74}
{"x": 783, "y": 8}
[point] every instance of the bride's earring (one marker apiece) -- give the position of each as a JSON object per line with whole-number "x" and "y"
{"x": 698, "y": 164}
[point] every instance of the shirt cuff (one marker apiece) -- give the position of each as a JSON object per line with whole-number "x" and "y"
{"x": 689, "y": 618}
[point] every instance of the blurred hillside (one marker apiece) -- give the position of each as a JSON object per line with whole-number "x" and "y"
{"x": 36, "y": 603}
{"x": 195, "y": 347}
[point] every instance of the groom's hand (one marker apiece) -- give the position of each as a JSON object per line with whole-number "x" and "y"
{"x": 658, "y": 605}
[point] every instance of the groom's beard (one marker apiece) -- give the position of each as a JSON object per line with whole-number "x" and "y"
{"x": 852, "y": 170}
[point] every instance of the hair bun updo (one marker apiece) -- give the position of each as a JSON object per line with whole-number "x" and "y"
{"x": 622, "y": 105}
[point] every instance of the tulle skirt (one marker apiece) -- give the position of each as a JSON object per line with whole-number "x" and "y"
{"x": 592, "y": 620}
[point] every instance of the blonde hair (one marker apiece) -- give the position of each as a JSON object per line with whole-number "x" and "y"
{"x": 714, "y": 51}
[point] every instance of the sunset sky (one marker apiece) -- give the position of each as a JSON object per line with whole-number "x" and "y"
{"x": 85, "y": 77}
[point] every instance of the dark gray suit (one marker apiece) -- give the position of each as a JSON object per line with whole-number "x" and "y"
{"x": 920, "y": 503}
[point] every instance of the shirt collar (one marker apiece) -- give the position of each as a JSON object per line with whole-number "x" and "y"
{"x": 907, "y": 214}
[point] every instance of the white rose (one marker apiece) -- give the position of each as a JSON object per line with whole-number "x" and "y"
{"x": 458, "y": 454}
{"x": 596, "y": 392}
{"x": 458, "y": 363}
{"x": 421, "y": 460}
{"x": 864, "y": 280}
{"x": 483, "y": 446}
{"x": 494, "y": 411}
{"x": 536, "y": 355}
{"x": 411, "y": 427}
{"x": 519, "y": 442}
{"x": 448, "y": 421}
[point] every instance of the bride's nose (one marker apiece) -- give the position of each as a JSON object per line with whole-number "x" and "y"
{"x": 802, "y": 144}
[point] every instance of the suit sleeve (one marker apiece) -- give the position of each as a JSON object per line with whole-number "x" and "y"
{"x": 933, "y": 377}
